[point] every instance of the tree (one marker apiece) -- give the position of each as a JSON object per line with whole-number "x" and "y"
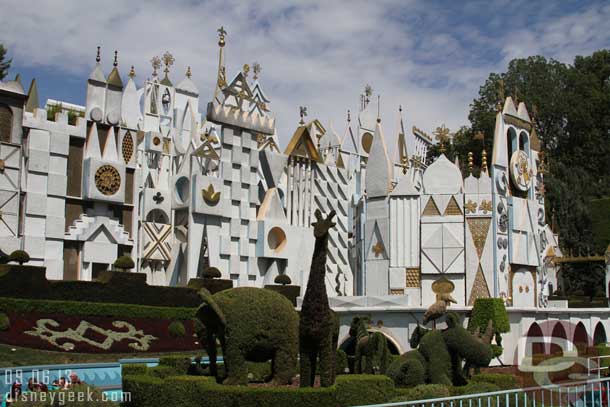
{"x": 124, "y": 263}
{"x": 4, "y": 65}
{"x": 19, "y": 256}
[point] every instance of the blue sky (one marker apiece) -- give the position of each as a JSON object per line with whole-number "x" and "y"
{"x": 428, "y": 56}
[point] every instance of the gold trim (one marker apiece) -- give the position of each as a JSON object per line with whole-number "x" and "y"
{"x": 210, "y": 196}
{"x": 302, "y": 138}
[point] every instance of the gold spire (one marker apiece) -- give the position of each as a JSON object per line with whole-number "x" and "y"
{"x": 116, "y": 58}
{"x": 221, "y": 36}
{"x": 442, "y": 135}
{"x": 484, "y": 161}
{"x": 168, "y": 60}
{"x": 132, "y": 72}
{"x": 156, "y": 64}
{"x": 470, "y": 161}
{"x": 246, "y": 70}
{"x": 188, "y": 72}
{"x": 98, "y": 58}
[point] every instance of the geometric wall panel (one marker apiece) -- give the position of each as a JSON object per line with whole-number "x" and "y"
{"x": 479, "y": 287}
{"x": 156, "y": 241}
{"x": 479, "y": 228}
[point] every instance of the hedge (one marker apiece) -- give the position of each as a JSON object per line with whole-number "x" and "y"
{"x": 486, "y": 309}
{"x": 110, "y": 287}
{"x": 133, "y": 369}
{"x": 147, "y": 390}
{"x": 180, "y": 364}
{"x": 422, "y": 392}
{"x": 176, "y": 329}
{"x": 94, "y": 309}
{"x": 503, "y": 381}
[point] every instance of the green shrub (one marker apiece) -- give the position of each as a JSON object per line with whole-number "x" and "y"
{"x": 212, "y": 272}
{"x": 486, "y": 309}
{"x": 422, "y": 392}
{"x": 5, "y": 322}
{"x": 341, "y": 362}
{"x": 176, "y": 329}
{"x": 19, "y": 256}
{"x": 503, "y": 381}
{"x": 408, "y": 370}
{"x": 180, "y": 364}
{"x": 72, "y": 397}
{"x": 124, "y": 263}
{"x": 355, "y": 390}
{"x": 282, "y": 279}
{"x": 434, "y": 349}
{"x": 259, "y": 372}
{"x": 94, "y": 309}
{"x": 600, "y": 222}
{"x": 474, "y": 388}
{"x": 133, "y": 369}
{"x": 163, "y": 372}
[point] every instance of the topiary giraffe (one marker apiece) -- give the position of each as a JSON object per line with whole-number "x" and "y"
{"x": 317, "y": 323}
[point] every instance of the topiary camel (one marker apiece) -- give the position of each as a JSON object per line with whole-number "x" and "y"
{"x": 251, "y": 324}
{"x": 372, "y": 354}
{"x": 440, "y": 354}
{"x": 318, "y": 325}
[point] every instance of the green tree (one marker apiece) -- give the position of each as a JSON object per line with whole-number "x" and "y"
{"x": 570, "y": 105}
{"x": 4, "y": 65}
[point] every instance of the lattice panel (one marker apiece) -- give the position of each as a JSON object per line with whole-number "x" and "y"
{"x": 413, "y": 277}
{"x": 127, "y": 147}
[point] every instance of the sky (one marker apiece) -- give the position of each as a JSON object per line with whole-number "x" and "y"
{"x": 430, "y": 57}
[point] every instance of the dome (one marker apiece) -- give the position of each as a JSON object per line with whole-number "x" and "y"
{"x": 443, "y": 177}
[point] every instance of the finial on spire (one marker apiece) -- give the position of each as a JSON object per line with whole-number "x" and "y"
{"x": 470, "y": 161}
{"x": 188, "y": 72}
{"x": 116, "y": 58}
{"x": 221, "y": 36}
{"x": 400, "y": 108}
{"x": 168, "y": 60}
{"x": 302, "y": 113}
{"x": 442, "y": 135}
{"x": 378, "y": 109}
{"x": 484, "y": 161}
{"x": 246, "y": 70}
{"x": 256, "y": 68}
{"x": 132, "y": 72}
{"x": 98, "y": 58}
{"x": 349, "y": 116}
{"x": 156, "y": 64}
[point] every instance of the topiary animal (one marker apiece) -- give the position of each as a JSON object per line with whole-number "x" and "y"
{"x": 372, "y": 354}
{"x": 317, "y": 326}
{"x": 124, "y": 263}
{"x": 251, "y": 324}
{"x": 19, "y": 256}
{"x": 282, "y": 279}
{"x": 211, "y": 272}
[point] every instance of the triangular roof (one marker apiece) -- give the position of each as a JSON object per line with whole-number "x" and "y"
{"x": 302, "y": 145}
{"x": 187, "y": 86}
{"x": 405, "y": 187}
{"x": 271, "y": 208}
{"x": 32, "y": 99}
{"x": 379, "y": 167}
{"x": 92, "y": 146}
{"x": 348, "y": 143}
{"x": 97, "y": 75}
{"x": 114, "y": 78}
{"x": 110, "y": 150}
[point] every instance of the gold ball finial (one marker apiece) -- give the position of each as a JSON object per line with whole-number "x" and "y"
{"x": 221, "y": 36}
{"x": 484, "y": 161}
{"x": 470, "y": 161}
{"x": 246, "y": 70}
{"x": 188, "y": 72}
{"x": 116, "y": 58}
{"x": 132, "y": 72}
{"x": 98, "y": 58}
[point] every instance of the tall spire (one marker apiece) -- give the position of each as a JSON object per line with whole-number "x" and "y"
{"x": 379, "y": 169}
{"x": 401, "y": 151}
{"x": 221, "y": 80}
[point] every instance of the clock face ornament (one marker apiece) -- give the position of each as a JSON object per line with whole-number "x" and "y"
{"x": 107, "y": 180}
{"x": 520, "y": 170}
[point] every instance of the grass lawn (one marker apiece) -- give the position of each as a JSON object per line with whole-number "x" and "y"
{"x": 30, "y": 357}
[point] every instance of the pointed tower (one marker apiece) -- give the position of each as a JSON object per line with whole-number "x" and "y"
{"x": 377, "y": 228}
{"x": 130, "y": 105}
{"x": 114, "y": 94}
{"x": 96, "y": 92}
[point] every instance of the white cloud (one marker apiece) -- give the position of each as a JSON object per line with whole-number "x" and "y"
{"x": 429, "y": 57}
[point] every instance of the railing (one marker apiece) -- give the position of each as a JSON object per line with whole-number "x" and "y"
{"x": 594, "y": 365}
{"x": 591, "y": 393}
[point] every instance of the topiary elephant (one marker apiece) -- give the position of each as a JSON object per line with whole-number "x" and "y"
{"x": 251, "y": 324}
{"x": 440, "y": 355}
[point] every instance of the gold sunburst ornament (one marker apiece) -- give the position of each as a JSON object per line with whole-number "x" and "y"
{"x": 210, "y": 195}
{"x": 107, "y": 180}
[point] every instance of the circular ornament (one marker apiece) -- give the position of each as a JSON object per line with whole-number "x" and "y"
{"x": 107, "y": 180}
{"x": 520, "y": 170}
{"x": 96, "y": 114}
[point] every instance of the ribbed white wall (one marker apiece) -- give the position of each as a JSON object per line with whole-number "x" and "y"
{"x": 404, "y": 231}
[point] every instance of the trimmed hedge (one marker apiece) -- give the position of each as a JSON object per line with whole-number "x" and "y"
{"x": 176, "y": 329}
{"x": 503, "y": 381}
{"x": 133, "y": 369}
{"x": 408, "y": 370}
{"x": 486, "y": 309}
{"x": 94, "y": 309}
{"x": 147, "y": 390}
{"x": 353, "y": 390}
{"x": 110, "y": 287}
{"x": 213, "y": 285}
{"x": 180, "y": 364}
{"x": 162, "y": 372}
{"x": 422, "y": 392}
{"x": 474, "y": 388}
{"x": 289, "y": 291}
